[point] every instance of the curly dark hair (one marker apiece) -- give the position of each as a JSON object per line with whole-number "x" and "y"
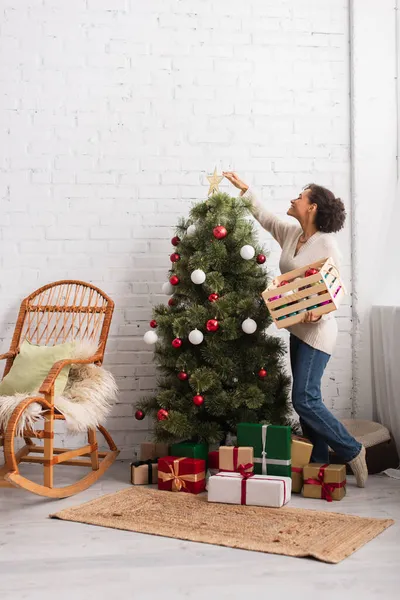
{"x": 331, "y": 213}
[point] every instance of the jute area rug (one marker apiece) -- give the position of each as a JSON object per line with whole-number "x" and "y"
{"x": 328, "y": 537}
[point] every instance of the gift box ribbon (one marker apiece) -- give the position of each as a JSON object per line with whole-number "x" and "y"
{"x": 326, "y": 488}
{"x": 236, "y": 460}
{"x": 179, "y": 481}
{"x": 149, "y": 464}
{"x": 268, "y": 461}
{"x": 245, "y": 473}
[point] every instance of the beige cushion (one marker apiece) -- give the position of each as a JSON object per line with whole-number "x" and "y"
{"x": 368, "y": 433}
{"x": 31, "y": 367}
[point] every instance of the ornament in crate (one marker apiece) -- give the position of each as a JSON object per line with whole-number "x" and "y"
{"x": 316, "y": 287}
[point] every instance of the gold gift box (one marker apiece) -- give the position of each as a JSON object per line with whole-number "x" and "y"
{"x": 227, "y": 461}
{"x": 301, "y": 456}
{"x": 324, "y": 481}
{"x": 140, "y": 474}
{"x": 152, "y": 450}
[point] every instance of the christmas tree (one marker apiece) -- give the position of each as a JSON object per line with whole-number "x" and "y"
{"x": 218, "y": 366}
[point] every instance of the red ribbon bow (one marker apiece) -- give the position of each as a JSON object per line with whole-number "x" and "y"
{"x": 236, "y": 467}
{"x": 235, "y": 459}
{"x": 326, "y": 488}
{"x": 246, "y": 471}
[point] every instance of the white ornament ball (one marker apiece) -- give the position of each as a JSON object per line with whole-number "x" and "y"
{"x": 191, "y": 230}
{"x": 196, "y": 337}
{"x": 249, "y": 326}
{"x": 167, "y": 288}
{"x": 198, "y": 276}
{"x": 247, "y": 252}
{"x": 150, "y": 337}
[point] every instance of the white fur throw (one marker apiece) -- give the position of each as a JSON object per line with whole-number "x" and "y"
{"x": 85, "y": 403}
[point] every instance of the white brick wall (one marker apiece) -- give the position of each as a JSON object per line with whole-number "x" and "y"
{"x": 111, "y": 111}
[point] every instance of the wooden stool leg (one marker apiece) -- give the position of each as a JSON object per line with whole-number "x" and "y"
{"x": 48, "y": 449}
{"x": 94, "y": 456}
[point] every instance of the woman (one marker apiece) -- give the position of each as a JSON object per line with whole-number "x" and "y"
{"x": 312, "y": 341}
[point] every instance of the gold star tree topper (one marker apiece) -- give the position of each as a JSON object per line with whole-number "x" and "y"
{"x": 214, "y": 180}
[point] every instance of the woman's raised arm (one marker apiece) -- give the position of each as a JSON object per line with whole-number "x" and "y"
{"x": 270, "y": 222}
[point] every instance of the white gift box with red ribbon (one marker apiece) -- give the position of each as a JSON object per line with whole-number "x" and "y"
{"x": 252, "y": 490}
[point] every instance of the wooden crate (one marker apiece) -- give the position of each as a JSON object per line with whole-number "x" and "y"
{"x": 322, "y": 293}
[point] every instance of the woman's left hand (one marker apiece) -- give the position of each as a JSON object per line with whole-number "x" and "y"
{"x": 309, "y": 317}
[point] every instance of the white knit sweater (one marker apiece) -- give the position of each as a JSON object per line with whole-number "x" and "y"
{"x": 322, "y": 334}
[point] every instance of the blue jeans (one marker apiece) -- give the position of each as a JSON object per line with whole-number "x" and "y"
{"x": 318, "y": 423}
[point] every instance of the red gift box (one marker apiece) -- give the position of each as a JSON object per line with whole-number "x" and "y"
{"x": 213, "y": 460}
{"x": 177, "y": 474}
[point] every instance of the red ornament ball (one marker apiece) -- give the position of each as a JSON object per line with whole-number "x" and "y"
{"x": 261, "y": 258}
{"x": 171, "y": 302}
{"x": 153, "y": 324}
{"x": 284, "y": 282}
{"x": 310, "y": 272}
{"x": 175, "y": 257}
{"x": 262, "y": 373}
{"x": 183, "y": 376}
{"x": 220, "y": 232}
{"x": 198, "y": 400}
{"x": 175, "y": 241}
{"x": 162, "y": 415}
{"x": 174, "y": 280}
{"x": 213, "y": 297}
{"x": 212, "y": 325}
{"x": 177, "y": 343}
{"x": 139, "y": 415}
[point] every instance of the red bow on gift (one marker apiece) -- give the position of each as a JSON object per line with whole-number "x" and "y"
{"x": 326, "y": 488}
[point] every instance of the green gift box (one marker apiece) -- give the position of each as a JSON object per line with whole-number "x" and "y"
{"x": 190, "y": 450}
{"x": 272, "y": 447}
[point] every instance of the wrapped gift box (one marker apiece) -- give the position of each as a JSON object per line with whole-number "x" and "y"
{"x": 190, "y": 450}
{"x": 324, "y": 481}
{"x": 272, "y": 447}
{"x": 256, "y": 490}
{"x": 153, "y": 450}
{"x": 177, "y": 474}
{"x": 144, "y": 472}
{"x": 230, "y": 457}
{"x": 301, "y": 456}
{"x": 210, "y": 473}
{"x": 213, "y": 460}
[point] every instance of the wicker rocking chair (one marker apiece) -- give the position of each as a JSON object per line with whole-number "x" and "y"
{"x": 58, "y": 312}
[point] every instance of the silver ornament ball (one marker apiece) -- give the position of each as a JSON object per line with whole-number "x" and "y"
{"x": 150, "y": 338}
{"x": 249, "y": 326}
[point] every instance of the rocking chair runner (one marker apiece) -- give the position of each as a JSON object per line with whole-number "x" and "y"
{"x": 56, "y": 313}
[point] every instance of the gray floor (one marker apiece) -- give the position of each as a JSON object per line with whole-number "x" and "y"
{"x": 42, "y": 558}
